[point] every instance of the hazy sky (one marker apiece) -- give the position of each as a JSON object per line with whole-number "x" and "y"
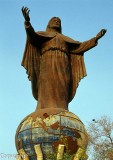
{"x": 81, "y": 20}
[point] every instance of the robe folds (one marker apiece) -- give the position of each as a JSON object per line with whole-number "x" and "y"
{"x": 55, "y": 66}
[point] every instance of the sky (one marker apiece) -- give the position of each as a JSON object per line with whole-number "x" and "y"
{"x": 81, "y": 20}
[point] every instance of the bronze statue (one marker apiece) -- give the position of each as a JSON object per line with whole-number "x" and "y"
{"x": 54, "y": 63}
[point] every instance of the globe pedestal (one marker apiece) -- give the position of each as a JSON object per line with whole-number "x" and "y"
{"x": 49, "y": 131}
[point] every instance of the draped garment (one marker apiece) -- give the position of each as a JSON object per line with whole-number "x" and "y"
{"x": 55, "y": 66}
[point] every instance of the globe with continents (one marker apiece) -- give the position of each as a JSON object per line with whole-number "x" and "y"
{"x": 50, "y": 131}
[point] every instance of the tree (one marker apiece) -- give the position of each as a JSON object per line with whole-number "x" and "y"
{"x": 100, "y": 133}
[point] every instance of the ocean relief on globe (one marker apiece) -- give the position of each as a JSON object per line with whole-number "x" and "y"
{"x": 63, "y": 128}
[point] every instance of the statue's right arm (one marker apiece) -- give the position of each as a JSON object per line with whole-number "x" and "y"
{"x": 31, "y": 35}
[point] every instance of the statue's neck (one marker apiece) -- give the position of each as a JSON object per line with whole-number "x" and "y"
{"x": 53, "y": 30}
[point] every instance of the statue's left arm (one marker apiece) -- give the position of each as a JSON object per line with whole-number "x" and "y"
{"x": 77, "y": 61}
{"x": 86, "y": 45}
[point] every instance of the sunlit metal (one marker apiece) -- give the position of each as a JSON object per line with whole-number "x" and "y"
{"x": 60, "y": 152}
{"x": 38, "y": 152}
{"x": 80, "y": 153}
{"x": 23, "y": 155}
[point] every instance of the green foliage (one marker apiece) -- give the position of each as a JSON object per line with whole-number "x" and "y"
{"x": 53, "y": 156}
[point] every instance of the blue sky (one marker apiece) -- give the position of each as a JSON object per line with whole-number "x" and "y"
{"x": 81, "y": 20}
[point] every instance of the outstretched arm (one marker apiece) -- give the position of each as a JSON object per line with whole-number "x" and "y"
{"x": 87, "y": 45}
{"x": 31, "y": 35}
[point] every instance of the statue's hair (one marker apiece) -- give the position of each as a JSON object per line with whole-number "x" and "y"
{"x": 49, "y": 27}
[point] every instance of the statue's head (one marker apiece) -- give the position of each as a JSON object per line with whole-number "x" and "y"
{"x": 54, "y": 23}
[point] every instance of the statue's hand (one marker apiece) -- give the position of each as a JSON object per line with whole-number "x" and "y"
{"x": 101, "y": 34}
{"x": 25, "y": 12}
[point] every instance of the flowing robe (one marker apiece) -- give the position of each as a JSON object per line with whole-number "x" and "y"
{"x": 55, "y": 65}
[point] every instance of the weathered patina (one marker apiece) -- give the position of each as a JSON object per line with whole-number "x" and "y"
{"x": 64, "y": 128}
{"x": 54, "y": 63}
{"x": 55, "y": 66}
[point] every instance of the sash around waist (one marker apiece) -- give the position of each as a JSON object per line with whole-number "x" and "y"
{"x": 53, "y": 49}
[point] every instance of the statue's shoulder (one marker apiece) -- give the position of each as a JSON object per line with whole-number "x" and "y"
{"x": 70, "y": 40}
{"x": 53, "y": 34}
{"x": 46, "y": 34}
